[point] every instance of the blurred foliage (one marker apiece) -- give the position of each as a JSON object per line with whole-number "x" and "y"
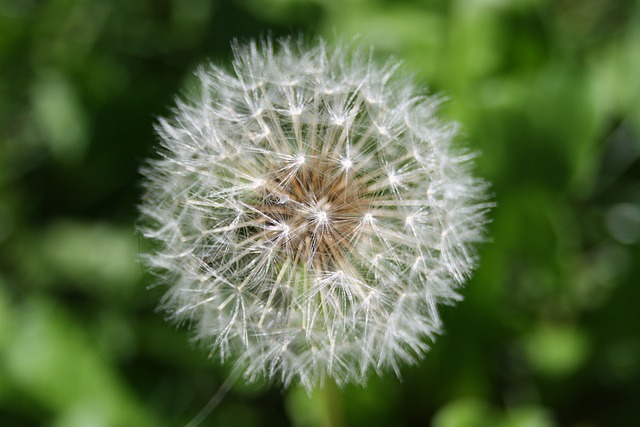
{"x": 549, "y": 93}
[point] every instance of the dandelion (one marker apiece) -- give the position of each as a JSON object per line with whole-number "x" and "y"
{"x": 311, "y": 212}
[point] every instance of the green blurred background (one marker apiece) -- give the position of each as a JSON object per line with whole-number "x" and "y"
{"x": 548, "y": 91}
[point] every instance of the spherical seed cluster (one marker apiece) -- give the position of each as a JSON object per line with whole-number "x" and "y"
{"x": 311, "y": 213}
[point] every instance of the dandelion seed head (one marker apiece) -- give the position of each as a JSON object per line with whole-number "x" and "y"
{"x": 310, "y": 212}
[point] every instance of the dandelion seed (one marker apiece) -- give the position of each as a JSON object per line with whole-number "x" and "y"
{"x": 310, "y": 212}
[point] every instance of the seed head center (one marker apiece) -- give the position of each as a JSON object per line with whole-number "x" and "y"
{"x": 311, "y": 215}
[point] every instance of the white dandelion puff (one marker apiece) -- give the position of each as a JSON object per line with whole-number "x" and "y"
{"x": 311, "y": 212}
